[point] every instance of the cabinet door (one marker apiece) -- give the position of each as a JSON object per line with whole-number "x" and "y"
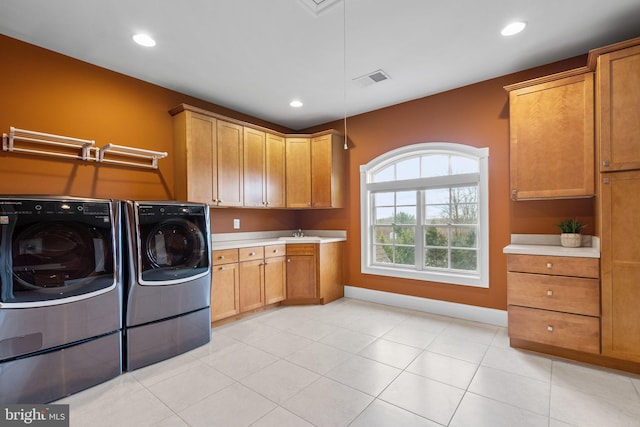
{"x": 618, "y": 107}
{"x": 194, "y": 137}
{"x": 229, "y": 164}
{"x": 251, "y": 285}
{"x": 274, "y": 171}
{"x": 225, "y": 299}
{"x": 552, "y": 139}
{"x": 301, "y": 276}
{"x": 275, "y": 279}
{"x": 321, "y": 171}
{"x": 620, "y": 243}
{"x": 254, "y": 166}
{"x": 298, "y": 172}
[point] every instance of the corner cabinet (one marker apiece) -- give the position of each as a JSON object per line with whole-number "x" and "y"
{"x": 207, "y": 160}
{"x": 314, "y": 273}
{"x": 315, "y": 171}
{"x": 551, "y": 124}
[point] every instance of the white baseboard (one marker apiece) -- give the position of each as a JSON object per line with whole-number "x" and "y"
{"x": 491, "y": 316}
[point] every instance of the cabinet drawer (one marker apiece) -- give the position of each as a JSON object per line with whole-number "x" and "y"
{"x": 224, "y": 256}
{"x": 301, "y": 249}
{"x": 249, "y": 254}
{"x": 569, "y": 294}
{"x": 554, "y": 265}
{"x": 274, "y": 251}
{"x": 572, "y": 331}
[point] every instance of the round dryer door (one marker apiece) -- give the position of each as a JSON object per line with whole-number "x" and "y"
{"x": 173, "y": 249}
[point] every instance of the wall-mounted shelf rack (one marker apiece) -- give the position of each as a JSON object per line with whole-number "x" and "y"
{"x": 46, "y": 144}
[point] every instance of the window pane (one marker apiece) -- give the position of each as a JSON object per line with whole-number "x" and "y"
{"x": 383, "y": 234}
{"x": 437, "y": 214}
{"x": 383, "y": 199}
{"x": 406, "y": 215}
{"x": 436, "y": 258}
{"x": 465, "y": 194}
{"x": 435, "y": 165}
{"x": 437, "y": 196}
{"x": 406, "y": 198}
{"x": 464, "y": 213}
{"x": 405, "y": 235}
{"x": 385, "y": 175}
{"x": 405, "y": 255}
{"x": 383, "y": 254}
{"x": 462, "y": 259}
{"x": 461, "y": 165}
{"x": 408, "y": 169}
{"x": 463, "y": 237}
{"x": 384, "y": 216}
{"x": 436, "y": 236}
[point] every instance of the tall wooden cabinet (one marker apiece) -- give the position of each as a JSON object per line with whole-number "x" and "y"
{"x": 229, "y": 161}
{"x": 298, "y": 172}
{"x": 618, "y": 136}
{"x": 264, "y": 162}
{"x": 551, "y": 130}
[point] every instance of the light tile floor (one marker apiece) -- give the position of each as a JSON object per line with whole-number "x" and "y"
{"x": 354, "y": 363}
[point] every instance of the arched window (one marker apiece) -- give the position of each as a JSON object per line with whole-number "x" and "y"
{"x": 424, "y": 210}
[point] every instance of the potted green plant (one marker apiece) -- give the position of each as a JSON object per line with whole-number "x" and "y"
{"x": 571, "y": 237}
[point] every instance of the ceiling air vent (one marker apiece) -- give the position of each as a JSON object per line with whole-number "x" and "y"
{"x": 318, "y": 6}
{"x": 371, "y": 78}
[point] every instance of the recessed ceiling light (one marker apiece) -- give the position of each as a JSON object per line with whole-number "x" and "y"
{"x": 513, "y": 28}
{"x": 144, "y": 40}
{"x": 296, "y": 103}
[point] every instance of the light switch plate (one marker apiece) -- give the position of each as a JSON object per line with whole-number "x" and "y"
{"x": 236, "y": 224}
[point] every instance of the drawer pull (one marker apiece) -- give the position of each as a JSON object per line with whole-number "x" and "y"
{"x": 252, "y": 253}
{"x": 221, "y": 256}
{"x": 275, "y": 251}
{"x": 549, "y": 293}
{"x": 549, "y": 265}
{"x": 550, "y": 328}
{"x": 221, "y": 268}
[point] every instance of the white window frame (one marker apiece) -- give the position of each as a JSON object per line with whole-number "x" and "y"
{"x": 476, "y": 279}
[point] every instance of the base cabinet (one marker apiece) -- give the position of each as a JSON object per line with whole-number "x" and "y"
{"x": 555, "y": 301}
{"x": 314, "y": 273}
{"x": 275, "y": 274}
{"x": 225, "y": 284}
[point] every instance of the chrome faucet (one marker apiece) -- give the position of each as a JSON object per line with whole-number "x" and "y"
{"x": 298, "y": 233}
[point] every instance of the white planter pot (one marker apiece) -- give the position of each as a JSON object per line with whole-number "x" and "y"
{"x": 571, "y": 240}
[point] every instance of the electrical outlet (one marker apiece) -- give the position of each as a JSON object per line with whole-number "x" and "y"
{"x": 236, "y": 224}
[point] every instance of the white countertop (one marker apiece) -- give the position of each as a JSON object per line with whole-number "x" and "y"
{"x": 549, "y": 244}
{"x": 269, "y": 238}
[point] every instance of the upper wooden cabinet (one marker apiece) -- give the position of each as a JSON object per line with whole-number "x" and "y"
{"x": 315, "y": 171}
{"x": 618, "y": 109}
{"x": 225, "y": 162}
{"x": 207, "y": 160}
{"x": 552, "y": 138}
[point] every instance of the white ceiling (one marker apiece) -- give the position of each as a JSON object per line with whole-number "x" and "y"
{"x": 255, "y": 56}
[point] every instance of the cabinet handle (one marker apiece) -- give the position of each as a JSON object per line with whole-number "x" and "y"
{"x": 221, "y": 256}
{"x": 265, "y": 263}
{"x": 221, "y": 268}
{"x": 550, "y": 328}
{"x": 549, "y": 293}
{"x": 275, "y": 251}
{"x": 219, "y": 201}
{"x": 549, "y": 265}
{"x": 605, "y": 181}
{"x": 252, "y": 253}
{"x": 289, "y": 260}
{"x": 605, "y": 163}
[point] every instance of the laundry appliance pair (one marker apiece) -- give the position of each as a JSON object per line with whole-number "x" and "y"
{"x": 91, "y": 286}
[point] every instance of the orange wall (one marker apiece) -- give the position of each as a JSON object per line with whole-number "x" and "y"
{"x": 476, "y": 115}
{"x": 45, "y": 91}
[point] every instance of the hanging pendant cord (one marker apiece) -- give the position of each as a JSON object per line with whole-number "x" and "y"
{"x": 344, "y": 71}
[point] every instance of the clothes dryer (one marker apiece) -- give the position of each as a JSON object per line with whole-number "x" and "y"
{"x": 168, "y": 280}
{"x": 60, "y": 296}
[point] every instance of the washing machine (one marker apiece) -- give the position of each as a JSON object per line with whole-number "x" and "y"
{"x": 60, "y": 296}
{"x": 167, "y": 280}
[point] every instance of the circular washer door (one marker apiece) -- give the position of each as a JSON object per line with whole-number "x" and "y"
{"x": 57, "y": 259}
